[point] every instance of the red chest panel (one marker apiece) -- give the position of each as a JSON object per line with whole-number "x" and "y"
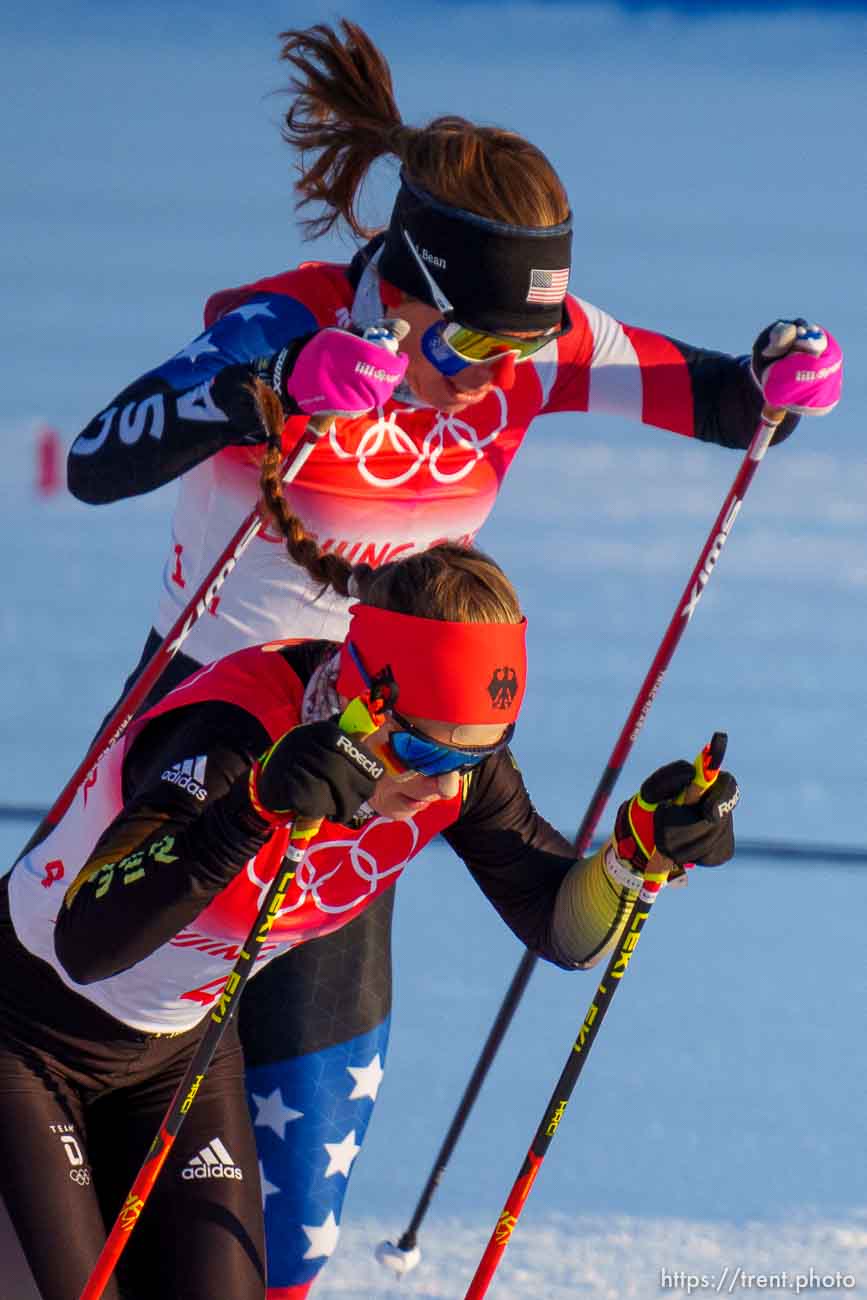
{"x": 342, "y": 871}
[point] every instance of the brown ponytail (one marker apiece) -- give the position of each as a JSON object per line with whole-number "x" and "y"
{"x": 345, "y": 111}
{"x": 455, "y": 583}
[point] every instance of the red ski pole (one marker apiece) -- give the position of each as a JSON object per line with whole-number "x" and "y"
{"x": 199, "y": 602}
{"x": 707, "y": 767}
{"x": 796, "y": 380}
{"x": 402, "y": 1256}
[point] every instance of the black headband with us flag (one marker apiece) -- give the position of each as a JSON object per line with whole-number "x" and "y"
{"x": 485, "y": 274}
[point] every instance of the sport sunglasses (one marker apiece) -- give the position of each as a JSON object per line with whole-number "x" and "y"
{"x": 418, "y": 752}
{"x": 450, "y": 346}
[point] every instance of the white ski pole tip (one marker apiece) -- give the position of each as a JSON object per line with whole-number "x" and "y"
{"x": 399, "y": 1261}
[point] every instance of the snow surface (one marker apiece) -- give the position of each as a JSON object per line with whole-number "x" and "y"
{"x": 714, "y": 172}
{"x": 614, "y": 1257}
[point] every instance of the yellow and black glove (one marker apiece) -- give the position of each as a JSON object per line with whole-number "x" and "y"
{"x": 685, "y": 829}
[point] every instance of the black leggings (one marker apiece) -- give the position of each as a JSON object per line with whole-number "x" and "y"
{"x": 81, "y": 1098}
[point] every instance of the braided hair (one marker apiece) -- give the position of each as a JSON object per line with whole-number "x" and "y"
{"x": 458, "y": 584}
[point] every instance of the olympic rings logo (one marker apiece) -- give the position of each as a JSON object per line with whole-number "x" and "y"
{"x": 80, "y": 1176}
{"x": 312, "y": 880}
{"x": 448, "y": 431}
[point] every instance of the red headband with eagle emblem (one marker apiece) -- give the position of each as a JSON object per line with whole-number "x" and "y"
{"x": 462, "y": 673}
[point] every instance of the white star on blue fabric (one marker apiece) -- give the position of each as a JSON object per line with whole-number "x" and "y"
{"x": 268, "y": 1189}
{"x": 252, "y": 309}
{"x": 323, "y": 1240}
{"x": 196, "y": 349}
{"x": 341, "y": 1155}
{"x": 367, "y": 1079}
{"x": 272, "y": 1113}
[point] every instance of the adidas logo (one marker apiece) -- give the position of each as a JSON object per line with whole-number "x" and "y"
{"x": 189, "y": 775}
{"x": 213, "y": 1161}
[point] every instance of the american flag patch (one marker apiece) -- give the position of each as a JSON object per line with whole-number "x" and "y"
{"x": 548, "y": 286}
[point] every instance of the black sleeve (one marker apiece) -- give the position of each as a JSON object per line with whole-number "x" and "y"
{"x": 726, "y": 399}
{"x": 150, "y": 434}
{"x": 186, "y": 409}
{"x": 185, "y": 830}
{"x": 517, "y": 859}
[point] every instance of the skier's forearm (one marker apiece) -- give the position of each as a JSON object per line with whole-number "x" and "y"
{"x": 589, "y": 913}
{"x": 150, "y": 435}
{"x": 149, "y": 877}
{"x": 727, "y": 402}
{"x": 188, "y": 408}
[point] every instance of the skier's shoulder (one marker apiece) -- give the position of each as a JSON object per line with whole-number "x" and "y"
{"x": 575, "y": 346}
{"x": 261, "y": 680}
{"x": 323, "y": 288}
{"x": 494, "y": 792}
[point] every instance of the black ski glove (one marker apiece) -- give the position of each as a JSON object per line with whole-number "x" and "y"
{"x": 701, "y": 832}
{"x": 314, "y": 771}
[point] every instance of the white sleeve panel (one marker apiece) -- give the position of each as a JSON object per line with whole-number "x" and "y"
{"x": 545, "y": 362}
{"x": 615, "y": 370}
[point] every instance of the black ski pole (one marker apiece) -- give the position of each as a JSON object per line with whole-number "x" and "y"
{"x": 406, "y": 1254}
{"x": 707, "y": 767}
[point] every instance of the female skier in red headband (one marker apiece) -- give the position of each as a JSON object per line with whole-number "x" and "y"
{"x": 475, "y": 260}
{"x": 117, "y": 930}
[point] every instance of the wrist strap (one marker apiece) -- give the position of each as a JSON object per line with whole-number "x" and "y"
{"x": 617, "y": 870}
{"x": 360, "y": 818}
{"x": 272, "y": 818}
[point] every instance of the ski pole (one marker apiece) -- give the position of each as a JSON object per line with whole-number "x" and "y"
{"x": 405, "y": 1254}
{"x": 285, "y": 850}
{"x": 286, "y": 846}
{"x": 199, "y": 602}
{"x": 707, "y": 767}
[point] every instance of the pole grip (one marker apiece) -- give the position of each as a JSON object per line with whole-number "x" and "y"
{"x": 707, "y": 768}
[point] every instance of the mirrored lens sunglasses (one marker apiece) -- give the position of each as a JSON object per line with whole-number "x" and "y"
{"x": 450, "y": 346}
{"x": 420, "y": 753}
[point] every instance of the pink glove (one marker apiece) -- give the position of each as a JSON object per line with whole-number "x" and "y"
{"x": 798, "y": 366}
{"x": 340, "y": 373}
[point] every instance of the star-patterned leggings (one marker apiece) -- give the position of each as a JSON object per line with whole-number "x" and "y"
{"x": 333, "y": 1094}
{"x": 314, "y": 1025}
